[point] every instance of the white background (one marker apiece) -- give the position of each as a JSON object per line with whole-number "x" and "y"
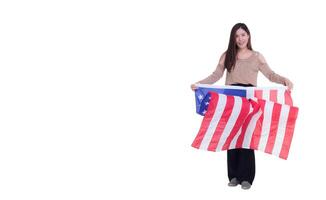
{"x": 95, "y": 99}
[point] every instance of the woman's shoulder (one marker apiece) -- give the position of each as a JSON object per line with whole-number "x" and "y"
{"x": 256, "y": 53}
{"x": 222, "y": 58}
{"x": 259, "y": 56}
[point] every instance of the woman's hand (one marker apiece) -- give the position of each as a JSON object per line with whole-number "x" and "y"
{"x": 193, "y": 87}
{"x": 288, "y": 83}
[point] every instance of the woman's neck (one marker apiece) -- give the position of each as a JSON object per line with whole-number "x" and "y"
{"x": 244, "y": 50}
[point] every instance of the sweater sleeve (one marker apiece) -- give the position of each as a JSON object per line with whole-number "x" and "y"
{"x": 268, "y": 72}
{"x": 215, "y": 76}
{"x": 217, "y": 73}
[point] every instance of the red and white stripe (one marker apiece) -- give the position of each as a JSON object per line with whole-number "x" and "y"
{"x": 280, "y": 95}
{"x": 222, "y": 121}
{"x": 277, "y": 127}
{"x": 236, "y": 122}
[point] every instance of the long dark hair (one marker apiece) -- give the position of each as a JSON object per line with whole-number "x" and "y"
{"x": 231, "y": 52}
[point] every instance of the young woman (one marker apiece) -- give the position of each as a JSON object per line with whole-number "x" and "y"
{"x": 242, "y": 64}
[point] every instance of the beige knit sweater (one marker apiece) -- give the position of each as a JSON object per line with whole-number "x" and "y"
{"x": 245, "y": 71}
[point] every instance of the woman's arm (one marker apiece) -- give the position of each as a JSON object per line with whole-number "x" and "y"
{"x": 271, "y": 75}
{"x": 215, "y": 76}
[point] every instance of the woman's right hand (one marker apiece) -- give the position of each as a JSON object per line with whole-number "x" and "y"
{"x": 193, "y": 87}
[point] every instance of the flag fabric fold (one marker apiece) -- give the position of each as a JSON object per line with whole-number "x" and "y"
{"x": 245, "y": 117}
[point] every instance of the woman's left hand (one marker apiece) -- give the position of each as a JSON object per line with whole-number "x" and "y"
{"x": 288, "y": 83}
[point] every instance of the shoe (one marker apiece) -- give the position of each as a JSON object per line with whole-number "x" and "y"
{"x": 234, "y": 182}
{"x": 245, "y": 185}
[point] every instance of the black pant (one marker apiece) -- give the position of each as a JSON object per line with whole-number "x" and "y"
{"x": 241, "y": 162}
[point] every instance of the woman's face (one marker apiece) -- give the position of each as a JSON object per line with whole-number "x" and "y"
{"x": 241, "y": 38}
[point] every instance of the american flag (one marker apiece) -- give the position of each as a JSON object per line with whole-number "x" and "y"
{"x": 245, "y": 117}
